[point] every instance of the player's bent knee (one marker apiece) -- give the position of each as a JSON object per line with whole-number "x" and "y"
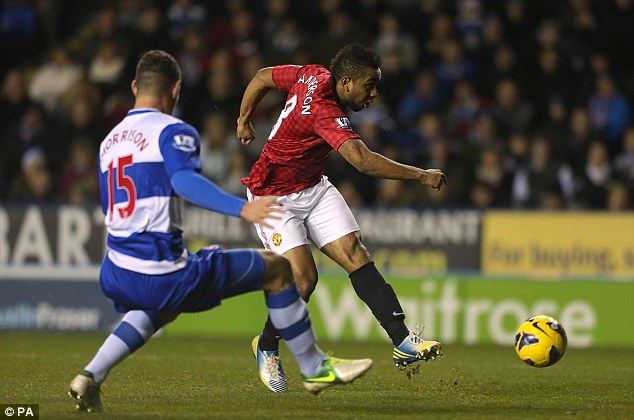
{"x": 306, "y": 289}
{"x": 356, "y": 256}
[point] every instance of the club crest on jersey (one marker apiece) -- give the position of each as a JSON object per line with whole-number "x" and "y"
{"x": 343, "y": 123}
{"x": 277, "y": 239}
{"x": 184, "y": 143}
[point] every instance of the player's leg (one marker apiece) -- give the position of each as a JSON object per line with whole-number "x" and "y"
{"x": 287, "y": 237}
{"x": 305, "y": 271}
{"x": 332, "y": 227}
{"x": 133, "y": 331}
{"x": 289, "y": 315}
{"x": 371, "y": 287}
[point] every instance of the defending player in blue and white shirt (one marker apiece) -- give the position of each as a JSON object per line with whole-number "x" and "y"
{"x": 148, "y": 164}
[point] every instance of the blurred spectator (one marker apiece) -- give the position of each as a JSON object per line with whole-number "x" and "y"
{"x": 35, "y": 182}
{"x": 31, "y": 131}
{"x": 517, "y": 26}
{"x": 13, "y": 104}
{"x": 464, "y": 108}
{"x": 624, "y": 161}
{"x": 483, "y": 132}
{"x": 610, "y": 112}
{"x": 516, "y": 168}
{"x": 441, "y": 32}
{"x": 277, "y": 11}
{"x": 440, "y": 156}
{"x": 428, "y": 130}
{"x": 481, "y": 196}
{"x": 98, "y": 28}
{"x": 551, "y": 83}
{"x": 580, "y": 133}
{"x": 106, "y": 67}
{"x": 338, "y": 30}
{"x": 246, "y": 38}
{"x": 582, "y": 24}
{"x": 390, "y": 38}
{"x": 489, "y": 172}
{"x": 193, "y": 58}
{"x": 379, "y": 113}
{"x": 453, "y": 66}
{"x": 393, "y": 193}
{"x": 54, "y": 77}
{"x": 419, "y": 18}
{"x": 217, "y": 141}
{"x": 182, "y": 14}
{"x": 149, "y": 33}
{"x": 492, "y": 39}
{"x": 616, "y": 30}
{"x": 13, "y": 101}
{"x": 504, "y": 65}
{"x": 595, "y": 178}
{"x": 547, "y": 176}
{"x": 394, "y": 78}
{"x": 510, "y": 110}
{"x": 618, "y": 197}
{"x": 238, "y": 169}
{"x": 548, "y": 34}
{"x": 83, "y": 122}
{"x": 20, "y": 36}
{"x": 551, "y": 198}
{"x": 79, "y": 182}
{"x": 469, "y": 22}
{"x": 424, "y": 97}
{"x": 286, "y": 38}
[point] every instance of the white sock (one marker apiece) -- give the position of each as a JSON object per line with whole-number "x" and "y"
{"x": 290, "y": 317}
{"x": 133, "y": 331}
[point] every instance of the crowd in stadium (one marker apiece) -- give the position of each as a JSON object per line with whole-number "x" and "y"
{"x": 524, "y": 104}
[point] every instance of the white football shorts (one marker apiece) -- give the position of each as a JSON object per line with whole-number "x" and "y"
{"x": 318, "y": 214}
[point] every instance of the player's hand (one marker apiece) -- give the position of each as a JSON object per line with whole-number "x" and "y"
{"x": 261, "y": 210}
{"x": 434, "y": 178}
{"x": 245, "y": 131}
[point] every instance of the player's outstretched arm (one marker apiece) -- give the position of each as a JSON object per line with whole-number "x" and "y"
{"x": 199, "y": 190}
{"x": 377, "y": 165}
{"x": 258, "y": 87}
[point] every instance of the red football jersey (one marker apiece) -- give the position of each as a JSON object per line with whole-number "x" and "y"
{"x": 310, "y": 126}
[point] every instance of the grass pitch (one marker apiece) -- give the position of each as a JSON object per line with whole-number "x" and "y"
{"x": 201, "y": 378}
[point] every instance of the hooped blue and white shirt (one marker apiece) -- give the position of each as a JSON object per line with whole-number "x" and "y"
{"x": 137, "y": 160}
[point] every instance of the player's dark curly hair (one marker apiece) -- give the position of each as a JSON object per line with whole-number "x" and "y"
{"x": 352, "y": 59}
{"x": 156, "y": 72}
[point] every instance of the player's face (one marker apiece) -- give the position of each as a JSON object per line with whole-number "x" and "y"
{"x": 363, "y": 90}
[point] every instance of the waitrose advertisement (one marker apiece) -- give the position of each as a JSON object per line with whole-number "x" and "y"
{"x": 468, "y": 310}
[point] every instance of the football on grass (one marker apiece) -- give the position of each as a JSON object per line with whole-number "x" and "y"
{"x": 540, "y": 341}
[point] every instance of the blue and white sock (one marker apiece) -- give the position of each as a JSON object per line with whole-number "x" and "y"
{"x": 290, "y": 317}
{"x": 133, "y": 331}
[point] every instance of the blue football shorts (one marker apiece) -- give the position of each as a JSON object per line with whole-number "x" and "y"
{"x": 211, "y": 274}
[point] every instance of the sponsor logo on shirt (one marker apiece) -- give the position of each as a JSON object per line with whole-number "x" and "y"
{"x": 343, "y": 123}
{"x": 184, "y": 143}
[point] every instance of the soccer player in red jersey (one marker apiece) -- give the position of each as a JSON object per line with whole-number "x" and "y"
{"x": 312, "y": 124}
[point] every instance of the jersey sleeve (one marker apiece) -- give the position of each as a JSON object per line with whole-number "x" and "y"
{"x": 333, "y": 125}
{"x": 285, "y": 76}
{"x": 180, "y": 147}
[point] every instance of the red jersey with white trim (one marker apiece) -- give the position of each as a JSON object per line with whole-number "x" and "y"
{"x": 310, "y": 126}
